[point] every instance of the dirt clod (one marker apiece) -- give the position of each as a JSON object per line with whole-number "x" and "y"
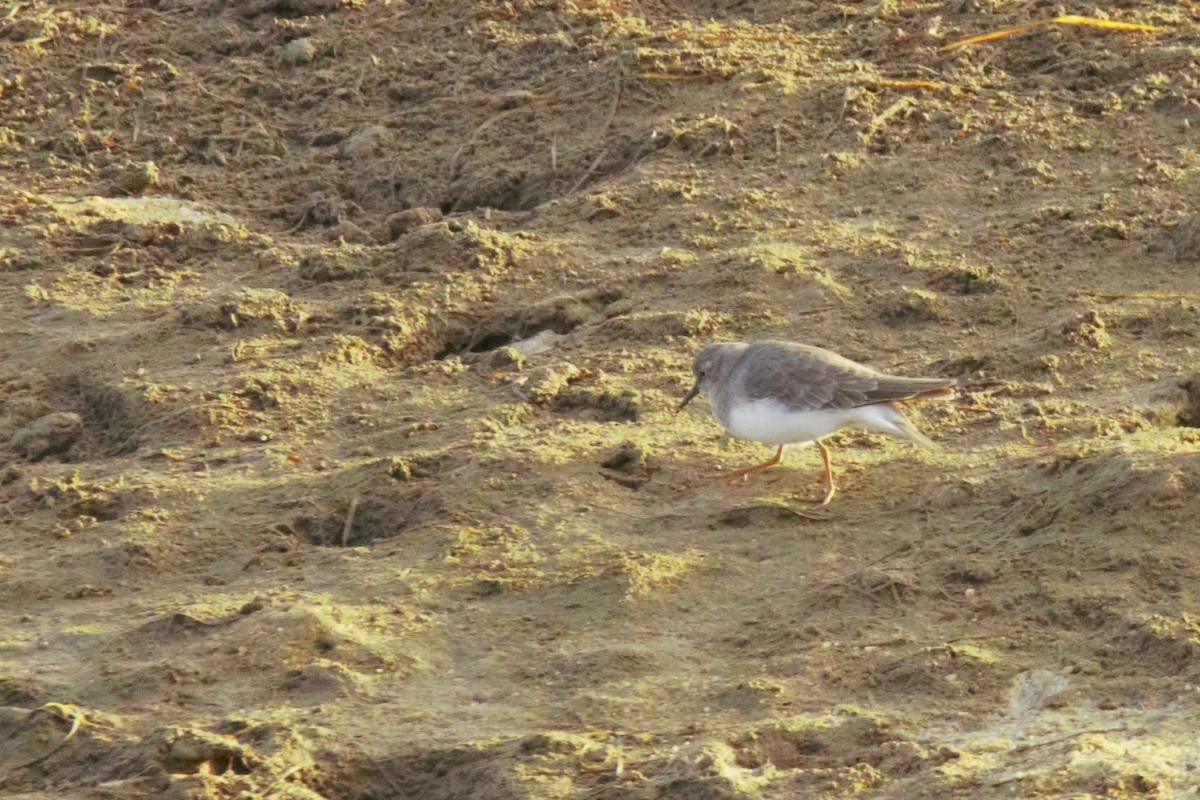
{"x": 626, "y": 458}
{"x": 543, "y": 385}
{"x": 49, "y": 435}
{"x": 246, "y": 307}
{"x": 1185, "y": 239}
{"x": 404, "y": 221}
{"x": 629, "y": 465}
{"x": 601, "y": 404}
{"x": 1190, "y": 415}
{"x": 128, "y": 180}
{"x": 298, "y": 51}
{"x": 910, "y": 305}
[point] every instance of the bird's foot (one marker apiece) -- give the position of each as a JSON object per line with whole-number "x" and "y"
{"x": 730, "y": 477}
{"x": 823, "y": 500}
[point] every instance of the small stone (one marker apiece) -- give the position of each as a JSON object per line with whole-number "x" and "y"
{"x": 402, "y": 222}
{"x": 298, "y": 51}
{"x": 53, "y": 433}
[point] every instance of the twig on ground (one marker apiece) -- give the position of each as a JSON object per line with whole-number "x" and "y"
{"x": 76, "y": 723}
{"x": 612, "y": 113}
{"x": 349, "y": 526}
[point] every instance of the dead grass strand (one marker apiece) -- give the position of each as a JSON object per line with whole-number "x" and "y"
{"x": 1065, "y": 19}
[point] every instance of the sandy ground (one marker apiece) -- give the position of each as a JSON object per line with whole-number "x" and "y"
{"x": 361, "y": 325}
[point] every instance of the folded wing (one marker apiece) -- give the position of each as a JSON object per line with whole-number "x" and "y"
{"x": 809, "y": 378}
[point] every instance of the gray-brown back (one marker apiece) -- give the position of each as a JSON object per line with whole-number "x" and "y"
{"x": 807, "y": 378}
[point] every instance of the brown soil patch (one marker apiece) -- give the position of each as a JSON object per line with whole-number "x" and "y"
{"x": 374, "y": 316}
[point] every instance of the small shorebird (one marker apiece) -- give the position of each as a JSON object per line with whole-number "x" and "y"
{"x": 784, "y": 393}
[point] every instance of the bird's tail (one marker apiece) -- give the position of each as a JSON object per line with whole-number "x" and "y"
{"x": 916, "y": 436}
{"x": 900, "y": 425}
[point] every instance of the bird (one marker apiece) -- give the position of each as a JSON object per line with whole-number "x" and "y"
{"x": 785, "y": 393}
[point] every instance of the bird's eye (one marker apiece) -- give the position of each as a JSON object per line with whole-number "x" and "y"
{"x": 700, "y": 374}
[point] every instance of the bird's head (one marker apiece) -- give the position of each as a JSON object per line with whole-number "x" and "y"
{"x": 709, "y": 367}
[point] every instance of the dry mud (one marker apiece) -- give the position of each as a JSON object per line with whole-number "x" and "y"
{"x": 362, "y": 323}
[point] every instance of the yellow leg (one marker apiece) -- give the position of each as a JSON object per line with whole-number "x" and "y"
{"x": 830, "y": 489}
{"x": 741, "y": 473}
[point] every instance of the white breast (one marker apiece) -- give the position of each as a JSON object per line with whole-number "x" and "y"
{"x": 774, "y": 423}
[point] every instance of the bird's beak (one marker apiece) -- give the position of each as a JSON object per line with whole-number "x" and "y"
{"x": 695, "y": 391}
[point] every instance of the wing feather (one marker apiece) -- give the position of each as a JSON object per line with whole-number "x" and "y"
{"x": 808, "y": 378}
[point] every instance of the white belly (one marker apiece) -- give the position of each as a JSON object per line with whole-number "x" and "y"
{"x": 772, "y": 422}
